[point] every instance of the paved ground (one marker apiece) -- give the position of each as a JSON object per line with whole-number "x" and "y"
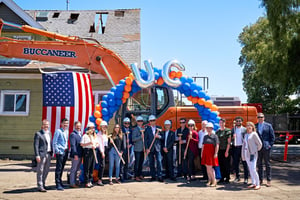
{"x": 18, "y": 181}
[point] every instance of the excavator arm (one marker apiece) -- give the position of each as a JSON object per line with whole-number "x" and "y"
{"x": 65, "y": 50}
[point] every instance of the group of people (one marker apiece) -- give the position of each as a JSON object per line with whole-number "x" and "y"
{"x": 161, "y": 146}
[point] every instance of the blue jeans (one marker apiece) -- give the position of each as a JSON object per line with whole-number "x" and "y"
{"x": 157, "y": 155}
{"x": 114, "y": 161}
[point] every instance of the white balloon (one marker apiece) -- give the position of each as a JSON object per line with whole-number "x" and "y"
{"x": 166, "y": 69}
{"x": 136, "y": 72}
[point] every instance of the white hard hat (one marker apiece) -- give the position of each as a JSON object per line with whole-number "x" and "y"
{"x": 126, "y": 119}
{"x": 152, "y": 117}
{"x": 90, "y": 124}
{"x": 103, "y": 123}
{"x": 191, "y": 122}
{"x": 168, "y": 122}
{"x": 209, "y": 125}
{"x": 139, "y": 118}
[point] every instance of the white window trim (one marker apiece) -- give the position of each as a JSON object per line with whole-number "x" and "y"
{"x": 6, "y": 113}
{"x": 96, "y": 93}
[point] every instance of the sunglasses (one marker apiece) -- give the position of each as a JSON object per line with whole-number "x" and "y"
{"x": 260, "y": 117}
{"x": 126, "y": 123}
{"x": 191, "y": 125}
{"x": 238, "y": 121}
{"x": 140, "y": 121}
{"x": 182, "y": 122}
{"x": 152, "y": 121}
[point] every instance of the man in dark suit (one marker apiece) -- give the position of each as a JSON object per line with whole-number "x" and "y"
{"x": 168, "y": 139}
{"x": 76, "y": 153}
{"x": 266, "y": 134}
{"x": 152, "y": 133}
{"x": 127, "y": 134}
{"x": 42, "y": 150}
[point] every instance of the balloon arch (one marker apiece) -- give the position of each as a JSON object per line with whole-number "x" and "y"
{"x": 140, "y": 78}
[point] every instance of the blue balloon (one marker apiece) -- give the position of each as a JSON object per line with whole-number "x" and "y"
{"x": 194, "y": 93}
{"x": 134, "y": 84}
{"x": 201, "y": 109}
{"x": 111, "y": 109}
{"x": 122, "y": 82}
{"x": 187, "y": 93}
{"x": 104, "y": 111}
{"x": 190, "y": 80}
{"x": 218, "y": 119}
{"x": 156, "y": 74}
{"x": 204, "y": 117}
{"x": 104, "y": 98}
{"x": 206, "y": 97}
{"x": 113, "y": 89}
{"x": 183, "y": 80}
{"x": 193, "y": 86}
{"x": 120, "y": 88}
{"x": 131, "y": 93}
{"x": 118, "y": 95}
{"x": 186, "y": 86}
{"x": 111, "y": 102}
{"x": 155, "y": 69}
{"x": 143, "y": 74}
{"x": 119, "y": 102}
{"x": 201, "y": 94}
{"x": 92, "y": 118}
{"x": 103, "y": 105}
{"x": 213, "y": 115}
{"x": 110, "y": 95}
{"x": 198, "y": 87}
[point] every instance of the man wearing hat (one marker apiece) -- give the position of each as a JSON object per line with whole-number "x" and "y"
{"x": 168, "y": 139}
{"x": 137, "y": 139}
{"x": 153, "y": 136}
{"x": 127, "y": 134}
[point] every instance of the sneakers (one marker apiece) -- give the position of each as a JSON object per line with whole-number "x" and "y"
{"x": 236, "y": 180}
{"x": 100, "y": 183}
{"x": 89, "y": 185}
{"x": 257, "y": 187}
{"x": 251, "y": 186}
{"x": 59, "y": 187}
{"x": 245, "y": 181}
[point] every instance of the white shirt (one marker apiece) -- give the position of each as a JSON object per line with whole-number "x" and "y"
{"x": 166, "y": 137}
{"x": 87, "y": 139}
{"x": 238, "y": 141}
{"x": 47, "y": 136}
{"x": 153, "y": 129}
{"x": 102, "y": 140}
{"x": 201, "y": 134}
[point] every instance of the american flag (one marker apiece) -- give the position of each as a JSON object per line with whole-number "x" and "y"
{"x": 67, "y": 95}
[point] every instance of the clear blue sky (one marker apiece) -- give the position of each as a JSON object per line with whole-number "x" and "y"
{"x": 201, "y": 34}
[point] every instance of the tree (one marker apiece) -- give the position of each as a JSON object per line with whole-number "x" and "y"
{"x": 260, "y": 60}
{"x": 284, "y": 22}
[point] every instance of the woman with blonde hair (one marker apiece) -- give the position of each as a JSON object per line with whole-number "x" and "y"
{"x": 115, "y": 149}
{"x": 251, "y": 145}
{"x": 89, "y": 143}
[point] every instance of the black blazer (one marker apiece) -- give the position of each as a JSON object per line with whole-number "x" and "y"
{"x": 40, "y": 143}
{"x": 149, "y": 137}
{"x": 76, "y": 148}
{"x": 170, "y": 140}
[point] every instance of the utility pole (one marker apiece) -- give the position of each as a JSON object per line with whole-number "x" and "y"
{"x": 68, "y": 4}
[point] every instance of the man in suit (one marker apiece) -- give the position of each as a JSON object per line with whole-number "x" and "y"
{"x": 266, "y": 134}
{"x": 137, "y": 139}
{"x": 180, "y": 138}
{"x": 76, "y": 153}
{"x": 127, "y": 134}
{"x": 238, "y": 132}
{"x": 42, "y": 151}
{"x": 168, "y": 139}
{"x": 60, "y": 147}
{"x": 152, "y": 133}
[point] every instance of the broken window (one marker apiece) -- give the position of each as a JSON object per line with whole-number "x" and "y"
{"x": 73, "y": 18}
{"x": 99, "y": 24}
{"x": 119, "y": 13}
{"x": 55, "y": 15}
{"x": 42, "y": 16}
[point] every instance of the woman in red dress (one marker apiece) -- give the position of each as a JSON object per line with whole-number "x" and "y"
{"x": 209, "y": 154}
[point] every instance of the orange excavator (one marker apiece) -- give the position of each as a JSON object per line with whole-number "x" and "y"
{"x": 90, "y": 54}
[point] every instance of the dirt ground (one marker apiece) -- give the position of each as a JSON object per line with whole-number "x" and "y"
{"x": 18, "y": 181}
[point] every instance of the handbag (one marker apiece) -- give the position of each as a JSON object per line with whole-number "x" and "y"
{"x": 218, "y": 172}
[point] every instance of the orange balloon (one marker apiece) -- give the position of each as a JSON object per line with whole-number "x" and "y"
{"x": 127, "y": 88}
{"x": 125, "y": 95}
{"x": 189, "y": 98}
{"x": 195, "y": 100}
{"x": 128, "y": 81}
{"x": 178, "y": 74}
{"x": 160, "y": 81}
{"x": 201, "y": 101}
{"x": 123, "y": 100}
{"x": 98, "y": 121}
{"x": 172, "y": 74}
{"x": 208, "y": 104}
{"x": 97, "y": 114}
{"x": 214, "y": 108}
{"x": 131, "y": 76}
{"x": 98, "y": 107}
